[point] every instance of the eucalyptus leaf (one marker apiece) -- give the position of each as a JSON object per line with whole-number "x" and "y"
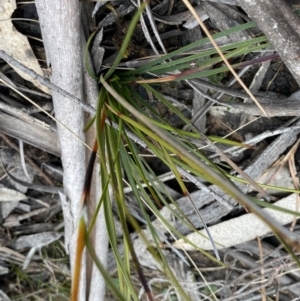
{"x": 7, "y": 195}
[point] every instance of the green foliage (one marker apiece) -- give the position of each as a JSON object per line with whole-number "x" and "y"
{"x": 216, "y": 78}
{"x": 136, "y": 124}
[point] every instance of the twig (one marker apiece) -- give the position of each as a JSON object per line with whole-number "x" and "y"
{"x": 41, "y": 94}
{"x": 36, "y": 167}
{"x": 43, "y": 188}
{"x": 234, "y": 166}
{"x": 25, "y": 216}
{"x": 46, "y": 82}
{"x": 146, "y": 32}
{"x": 198, "y": 115}
{"x": 154, "y": 28}
{"x": 232, "y": 92}
{"x": 21, "y": 114}
{"x": 206, "y": 189}
{"x": 267, "y": 266}
{"x": 235, "y": 150}
{"x": 22, "y": 157}
{"x": 283, "y": 107}
{"x": 283, "y": 161}
{"x": 293, "y": 171}
{"x": 256, "y": 288}
{"x": 262, "y": 272}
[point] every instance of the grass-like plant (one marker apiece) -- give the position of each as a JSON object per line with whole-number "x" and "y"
{"x": 125, "y": 124}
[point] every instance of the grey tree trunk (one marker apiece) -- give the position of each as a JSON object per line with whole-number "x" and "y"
{"x": 64, "y": 43}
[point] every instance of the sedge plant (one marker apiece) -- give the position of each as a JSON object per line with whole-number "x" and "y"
{"x": 126, "y": 123}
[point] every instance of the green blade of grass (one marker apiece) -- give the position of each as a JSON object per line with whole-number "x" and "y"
{"x": 144, "y": 68}
{"x": 129, "y": 33}
{"x": 209, "y": 174}
{"x": 179, "y": 64}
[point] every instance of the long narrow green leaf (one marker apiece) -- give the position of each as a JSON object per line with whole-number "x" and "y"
{"x": 110, "y": 283}
{"x": 274, "y": 207}
{"x": 125, "y": 282}
{"x": 144, "y": 68}
{"x": 210, "y": 174}
{"x": 129, "y": 33}
{"x": 199, "y": 72}
{"x": 86, "y": 56}
{"x": 185, "y": 62}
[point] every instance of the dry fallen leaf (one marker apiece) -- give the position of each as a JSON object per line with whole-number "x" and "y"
{"x": 7, "y": 194}
{"x": 9, "y": 199}
{"x": 37, "y": 240}
{"x": 238, "y": 230}
{"x": 16, "y": 44}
